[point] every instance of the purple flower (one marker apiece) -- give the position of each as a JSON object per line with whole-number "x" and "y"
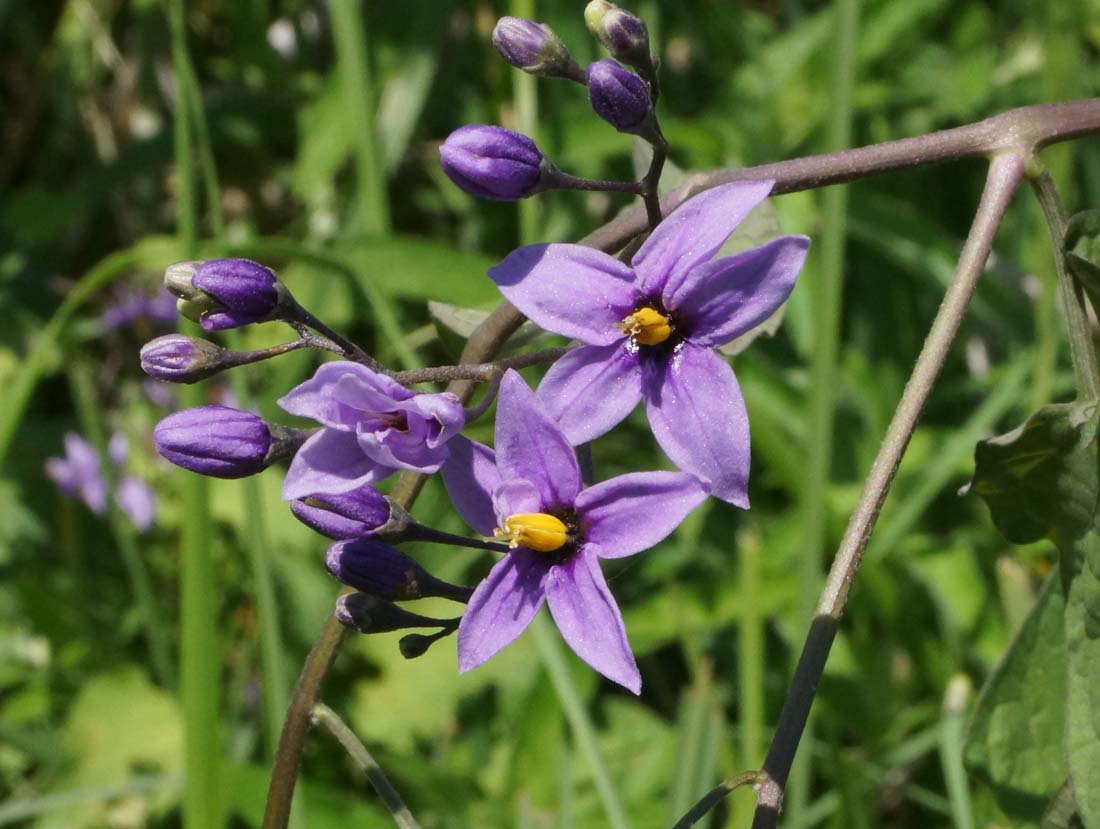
{"x": 134, "y": 306}
{"x": 349, "y": 515}
{"x": 225, "y": 293}
{"x": 618, "y": 95}
{"x": 216, "y": 441}
{"x": 650, "y": 329}
{"x": 372, "y": 426}
{"x": 492, "y": 162}
{"x": 529, "y": 492}
{"x": 79, "y": 474}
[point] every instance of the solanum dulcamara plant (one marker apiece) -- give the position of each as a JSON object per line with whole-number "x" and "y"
{"x": 644, "y": 329}
{"x": 646, "y": 309}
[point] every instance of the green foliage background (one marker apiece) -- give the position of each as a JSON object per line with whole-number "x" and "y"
{"x": 366, "y": 232}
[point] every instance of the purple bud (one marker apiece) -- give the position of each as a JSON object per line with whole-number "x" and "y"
{"x": 534, "y": 48}
{"x": 216, "y": 441}
{"x": 623, "y": 34}
{"x": 618, "y": 95}
{"x": 239, "y": 285}
{"x": 373, "y": 567}
{"x": 350, "y": 515}
{"x": 178, "y": 358}
{"x": 492, "y": 162}
{"x": 372, "y": 614}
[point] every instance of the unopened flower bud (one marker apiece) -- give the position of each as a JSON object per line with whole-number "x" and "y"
{"x": 618, "y": 96}
{"x": 225, "y": 293}
{"x": 492, "y": 162}
{"x": 372, "y": 567}
{"x": 623, "y": 34}
{"x": 217, "y": 441}
{"x": 348, "y": 515}
{"x": 534, "y": 48}
{"x": 414, "y": 645}
{"x": 178, "y": 358}
{"x": 372, "y": 614}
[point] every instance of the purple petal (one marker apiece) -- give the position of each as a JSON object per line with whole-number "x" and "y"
{"x": 571, "y": 290}
{"x": 502, "y": 606}
{"x": 118, "y": 448}
{"x": 588, "y": 618}
{"x": 470, "y": 475}
{"x": 698, "y": 416}
{"x": 725, "y": 298}
{"x": 330, "y": 462}
{"x": 531, "y": 447}
{"x": 633, "y": 512}
{"x": 515, "y": 497}
{"x": 339, "y": 392}
{"x": 401, "y": 450}
{"x": 693, "y": 233}
{"x": 591, "y": 389}
{"x": 138, "y": 503}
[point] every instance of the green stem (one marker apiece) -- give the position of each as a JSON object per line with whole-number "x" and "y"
{"x": 553, "y": 658}
{"x": 750, "y": 652}
{"x": 331, "y": 722}
{"x": 1081, "y": 346}
{"x": 952, "y": 735}
{"x": 200, "y": 661}
{"x": 88, "y": 412}
{"x": 826, "y": 300}
{"x": 525, "y": 100}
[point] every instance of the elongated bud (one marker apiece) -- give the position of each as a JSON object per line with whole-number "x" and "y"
{"x": 493, "y": 162}
{"x": 348, "y": 515}
{"x": 222, "y": 442}
{"x": 534, "y": 48}
{"x": 178, "y": 358}
{"x": 619, "y": 96}
{"x": 371, "y": 614}
{"x": 372, "y": 567}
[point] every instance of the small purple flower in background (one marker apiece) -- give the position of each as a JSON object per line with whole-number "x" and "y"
{"x": 79, "y": 474}
{"x": 529, "y": 492}
{"x": 372, "y": 426}
{"x": 133, "y": 306}
{"x": 650, "y": 329}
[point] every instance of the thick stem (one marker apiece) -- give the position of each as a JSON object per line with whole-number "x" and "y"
{"x": 564, "y": 181}
{"x": 1072, "y": 294}
{"x": 479, "y": 372}
{"x": 651, "y": 195}
{"x": 1005, "y": 174}
{"x": 331, "y": 722}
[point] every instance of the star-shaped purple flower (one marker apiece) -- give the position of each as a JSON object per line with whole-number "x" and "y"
{"x": 650, "y": 329}
{"x": 372, "y": 426}
{"x": 529, "y": 491}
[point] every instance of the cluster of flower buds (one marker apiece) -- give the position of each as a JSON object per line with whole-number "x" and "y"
{"x": 496, "y": 163}
{"x": 226, "y": 293}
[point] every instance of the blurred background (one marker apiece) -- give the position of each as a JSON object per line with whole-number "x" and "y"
{"x": 305, "y": 135}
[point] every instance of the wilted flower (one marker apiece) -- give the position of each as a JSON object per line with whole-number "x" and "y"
{"x": 650, "y": 330}
{"x": 529, "y": 492}
{"x": 372, "y": 426}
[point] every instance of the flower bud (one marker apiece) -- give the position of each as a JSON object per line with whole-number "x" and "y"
{"x": 349, "y": 515}
{"x": 623, "y": 34}
{"x": 178, "y": 358}
{"x": 534, "y": 48}
{"x": 225, "y": 293}
{"x": 216, "y": 441}
{"x": 618, "y": 96}
{"x": 372, "y": 567}
{"x": 492, "y": 162}
{"x": 371, "y": 614}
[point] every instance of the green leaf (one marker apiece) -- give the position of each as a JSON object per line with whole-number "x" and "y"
{"x": 1042, "y": 476}
{"x": 1062, "y": 812}
{"x": 1014, "y": 741}
{"x": 1082, "y": 249}
{"x": 412, "y": 268}
{"x": 1041, "y": 480}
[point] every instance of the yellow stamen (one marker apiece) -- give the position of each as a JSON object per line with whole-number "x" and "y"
{"x": 647, "y": 326}
{"x": 533, "y": 530}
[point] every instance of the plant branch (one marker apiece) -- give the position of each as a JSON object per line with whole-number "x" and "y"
{"x": 1024, "y": 130}
{"x": 1005, "y": 173}
{"x": 715, "y": 796}
{"x": 479, "y": 372}
{"x": 328, "y": 719}
{"x": 1081, "y": 345}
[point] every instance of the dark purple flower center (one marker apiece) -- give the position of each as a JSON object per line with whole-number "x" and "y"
{"x": 574, "y": 534}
